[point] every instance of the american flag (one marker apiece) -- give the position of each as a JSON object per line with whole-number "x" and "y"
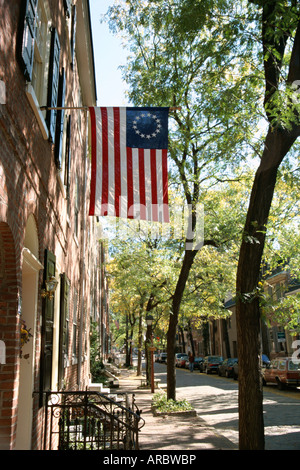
{"x": 129, "y": 163}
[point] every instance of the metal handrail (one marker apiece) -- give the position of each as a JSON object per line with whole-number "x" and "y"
{"x": 85, "y": 418}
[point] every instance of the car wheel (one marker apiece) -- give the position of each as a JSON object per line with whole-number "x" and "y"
{"x": 280, "y": 385}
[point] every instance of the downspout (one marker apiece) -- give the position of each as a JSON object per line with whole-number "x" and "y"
{"x": 83, "y": 231}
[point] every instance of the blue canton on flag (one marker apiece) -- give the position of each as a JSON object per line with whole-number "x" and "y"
{"x": 129, "y": 163}
{"x": 147, "y": 128}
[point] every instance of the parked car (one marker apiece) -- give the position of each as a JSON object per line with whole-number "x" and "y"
{"x": 235, "y": 372}
{"x": 283, "y": 371}
{"x": 197, "y": 362}
{"x": 183, "y": 360}
{"x": 162, "y": 357}
{"x": 226, "y": 367}
{"x": 265, "y": 362}
{"x": 179, "y": 358}
{"x": 211, "y": 363}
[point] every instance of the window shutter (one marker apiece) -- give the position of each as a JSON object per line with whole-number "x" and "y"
{"x": 60, "y": 118}
{"x": 73, "y": 34}
{"x": 28, "y": 37}
{"x": 47, "y": 325}
{"x": 63, "y": 333}
{"x": 53, "y": 83}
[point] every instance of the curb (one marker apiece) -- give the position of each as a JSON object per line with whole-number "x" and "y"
{"x": 180, "y": 414}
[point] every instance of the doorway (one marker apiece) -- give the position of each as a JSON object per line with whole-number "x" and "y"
{"x": 30, "y": 276}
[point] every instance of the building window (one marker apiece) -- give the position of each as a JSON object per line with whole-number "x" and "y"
{"x": 41, "y": 54}
{"x": 74, "y": 333}
{"x": 39, "y": 58}
{"x": 74, "y": 352}
{"x": 65, "y": 157}
{"x": 76, "y": 207}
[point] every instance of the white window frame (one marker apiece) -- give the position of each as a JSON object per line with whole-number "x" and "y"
{"x": 36, "y": 90}
{"x": 62, "y": 170}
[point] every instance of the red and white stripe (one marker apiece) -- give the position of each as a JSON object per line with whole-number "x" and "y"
{"x": 125, "y": 182}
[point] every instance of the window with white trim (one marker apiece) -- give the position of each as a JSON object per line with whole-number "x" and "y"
{"x": 40, "y": 68}
{"x": 39, "y": 59}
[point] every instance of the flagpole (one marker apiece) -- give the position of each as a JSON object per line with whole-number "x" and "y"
{"x": 60, "y": 108}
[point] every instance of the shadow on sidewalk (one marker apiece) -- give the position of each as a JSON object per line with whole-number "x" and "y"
{"x": 170, "y": 432}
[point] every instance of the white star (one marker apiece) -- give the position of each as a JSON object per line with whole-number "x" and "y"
{"x": 155, "y": 119}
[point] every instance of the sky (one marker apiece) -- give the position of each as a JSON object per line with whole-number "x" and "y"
{"x": 108, "y": 56}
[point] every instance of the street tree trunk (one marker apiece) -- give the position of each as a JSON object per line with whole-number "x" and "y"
{"x": 188, "y": 260}
{"x": 251, "y": 426}
{"x": 279, "y": 141}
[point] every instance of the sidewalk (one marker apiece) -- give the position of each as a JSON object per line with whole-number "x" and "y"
{"x": 170, "y": 432}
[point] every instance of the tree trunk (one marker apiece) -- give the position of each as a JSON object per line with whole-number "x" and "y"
{"x": 251, "y": 426}
{"x": 140, "y": 340}
{"x": 225, "y": 337}
{"x": 171, "y": 335}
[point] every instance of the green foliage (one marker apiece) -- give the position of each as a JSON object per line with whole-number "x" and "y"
{"x": 163, "y": 404}
{"x": 96, "y": 362}
{"x": 210, "y": 58}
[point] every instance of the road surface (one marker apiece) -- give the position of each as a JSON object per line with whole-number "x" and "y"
{"x": 216, "y": 401}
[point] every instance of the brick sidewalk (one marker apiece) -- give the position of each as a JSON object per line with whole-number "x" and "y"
{"x": 170, "y": 432}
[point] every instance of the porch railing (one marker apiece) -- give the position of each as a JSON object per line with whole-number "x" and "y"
{"x": 86, "y": 420}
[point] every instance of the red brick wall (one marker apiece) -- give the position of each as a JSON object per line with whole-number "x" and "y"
{"x": 29, "y": 185}
{"x": 8, "y": 334}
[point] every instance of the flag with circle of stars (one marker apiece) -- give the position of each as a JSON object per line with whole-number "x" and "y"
{"x": 129, "y": 163}
{"x": 147, "y": 128}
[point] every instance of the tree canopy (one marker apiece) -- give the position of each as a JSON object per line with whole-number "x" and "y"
{"x": 233, "y": 68}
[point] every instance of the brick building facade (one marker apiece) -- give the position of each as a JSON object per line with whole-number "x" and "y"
{"x": 46, "y": 59}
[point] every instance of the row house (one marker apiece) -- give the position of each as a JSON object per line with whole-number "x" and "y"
{"x": 50, "y": 255}
{"x": 276, "y": 340}
{"x": 219, "y": 336}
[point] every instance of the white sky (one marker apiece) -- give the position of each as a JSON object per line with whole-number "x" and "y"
{"x": 108, "y": 55}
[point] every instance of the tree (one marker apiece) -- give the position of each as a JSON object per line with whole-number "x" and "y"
{"x": 223, "y": 94}
{"x": 140, "y": 275}
{"x": 192, "y": 68}
{"x": 279, "y": 24}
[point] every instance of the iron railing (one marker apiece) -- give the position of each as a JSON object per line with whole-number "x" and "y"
{"x": 91, "y": 421}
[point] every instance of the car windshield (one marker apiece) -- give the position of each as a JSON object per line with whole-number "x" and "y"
{"x": 294, "y": 365}
{"x": 215, "y": 358}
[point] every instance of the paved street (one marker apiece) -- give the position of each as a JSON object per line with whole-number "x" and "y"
{"x": 216, "y": 401}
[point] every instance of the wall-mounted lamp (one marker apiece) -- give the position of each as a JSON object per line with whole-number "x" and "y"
{"x": 50, "y": 288}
